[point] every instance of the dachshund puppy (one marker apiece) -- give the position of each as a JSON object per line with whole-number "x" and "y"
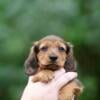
{"x": 48, "y": 55}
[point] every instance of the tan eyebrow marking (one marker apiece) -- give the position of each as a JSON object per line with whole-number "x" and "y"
{"x": 42, "y": 45}
{"x": 62, "y": 45}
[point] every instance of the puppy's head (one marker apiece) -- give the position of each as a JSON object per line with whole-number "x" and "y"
{"x": 51, "y": 53}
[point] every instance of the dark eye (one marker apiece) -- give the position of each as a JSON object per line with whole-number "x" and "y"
{"x": 61, "y": 49}
{"x": 44, "y": 48}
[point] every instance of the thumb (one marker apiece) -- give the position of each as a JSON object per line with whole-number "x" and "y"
{"x": 64, "y": 79}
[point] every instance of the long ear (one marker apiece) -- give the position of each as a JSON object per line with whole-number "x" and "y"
{"x": 31, "y": 62}
{"x": 70, "y": 64}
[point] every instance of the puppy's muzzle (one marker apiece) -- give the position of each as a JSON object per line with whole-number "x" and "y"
{"x": 53, "y": 58}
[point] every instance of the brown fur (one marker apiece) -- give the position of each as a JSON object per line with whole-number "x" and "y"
{"x": 40, "y": 65}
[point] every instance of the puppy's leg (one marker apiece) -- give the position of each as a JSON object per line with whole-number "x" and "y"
{"x": 43, "y": 76}
{"x": 71, "y": 90}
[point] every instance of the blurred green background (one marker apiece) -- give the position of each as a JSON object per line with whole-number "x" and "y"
{"x": 25, "y": 21}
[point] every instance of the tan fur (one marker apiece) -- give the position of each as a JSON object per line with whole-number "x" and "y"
{"x": 50, "y": 46}
{"x": 43, "y": 76}
{"x": 74, "y": 88}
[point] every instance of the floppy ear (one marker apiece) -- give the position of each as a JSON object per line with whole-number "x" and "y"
{"x": 70, "y": 64}
{"x": 31, "y": 62}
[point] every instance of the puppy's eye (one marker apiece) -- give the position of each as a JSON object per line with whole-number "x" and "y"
{"x": 44, "y": 48}
{"x": 61, "y": 49}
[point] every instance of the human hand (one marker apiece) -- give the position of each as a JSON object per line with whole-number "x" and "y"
{"x": 47, "y": 91}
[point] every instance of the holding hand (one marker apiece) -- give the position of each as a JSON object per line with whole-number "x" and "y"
{"x": 47, "y": 91}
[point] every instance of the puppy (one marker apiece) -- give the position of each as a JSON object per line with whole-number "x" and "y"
{"x": 48, "y": 55}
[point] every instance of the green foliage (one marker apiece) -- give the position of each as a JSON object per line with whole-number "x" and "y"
{"x": 25, "y": 21}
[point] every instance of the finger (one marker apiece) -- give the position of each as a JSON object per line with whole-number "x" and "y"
{"x": 58, "y": 73}
{"x": 30, "y": 79}
{"x": 64, "y": 79}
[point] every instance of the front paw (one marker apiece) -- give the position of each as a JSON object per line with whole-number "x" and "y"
{"x": 44, "y": 76}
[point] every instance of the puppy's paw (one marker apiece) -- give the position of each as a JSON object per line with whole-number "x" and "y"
{"x": 44, "y": 76}
{"x": 66, "y": 95}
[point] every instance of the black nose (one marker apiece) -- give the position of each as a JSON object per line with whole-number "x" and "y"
{"x": 53, "y": 58}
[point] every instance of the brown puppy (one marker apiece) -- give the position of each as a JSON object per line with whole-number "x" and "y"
{"x": 48, "y": 55}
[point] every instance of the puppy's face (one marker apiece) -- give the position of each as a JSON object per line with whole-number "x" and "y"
{"x": 52, "y": 54}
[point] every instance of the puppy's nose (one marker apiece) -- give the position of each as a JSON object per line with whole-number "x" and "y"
{"x": 53, "y": 58}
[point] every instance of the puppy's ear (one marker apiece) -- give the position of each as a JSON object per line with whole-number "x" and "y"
{"x": 31, "y": 62}
{"x": 70, "y": 64}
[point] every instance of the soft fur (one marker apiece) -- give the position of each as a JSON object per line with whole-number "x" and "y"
{"x": 49, "y": 54}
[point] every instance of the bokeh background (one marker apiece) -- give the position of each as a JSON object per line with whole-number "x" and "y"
{"x": 25, "y": 21}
